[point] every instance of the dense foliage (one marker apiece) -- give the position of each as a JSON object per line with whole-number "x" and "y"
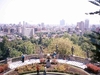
{"x": 95, "y": 40}
{"x": 17, "y": 47}
{"x": 64, "y": 47}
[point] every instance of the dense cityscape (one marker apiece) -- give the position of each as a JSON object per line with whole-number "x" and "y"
{"x": 30, "y": 30}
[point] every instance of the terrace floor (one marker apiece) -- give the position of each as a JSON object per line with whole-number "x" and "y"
{"x": 13, "y": 65}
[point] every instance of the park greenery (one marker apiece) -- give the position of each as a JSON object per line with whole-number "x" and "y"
{"x": 60, "y": 68}
{"x": 17, "y": 47}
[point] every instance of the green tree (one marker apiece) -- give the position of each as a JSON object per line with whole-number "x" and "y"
{"x": 74, "y": 38}
{"x": 86, "y": 33}
{"x": 46, "y": 42}
{"x": 83, "y": 39}
{"x": 33, "y": 40}
{"x": 64, "y": 47}
{"x": 87, "y": 47}
{"x": 66, "y": 35}
{"x": 5, "y": 46}
{"x": 26, "y": 47}
{"x": 24, "y": 38}
{"x": 95, "y": 36}
{"x": 14, "y": 53}
{"x": 40, "y": 40}
{"x": 1, "y": 57}
{"x": 95, "y": 39}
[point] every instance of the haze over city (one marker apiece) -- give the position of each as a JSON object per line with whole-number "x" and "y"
{"x": 47, "y": 11}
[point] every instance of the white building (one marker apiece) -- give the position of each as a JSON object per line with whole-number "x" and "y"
{"x": 19, "y": 29}
{"x": 28, "y": 32}
{"x": 81, "y": 25}
{"x": 62, "y": 22}
{"x": 86, "y": 24}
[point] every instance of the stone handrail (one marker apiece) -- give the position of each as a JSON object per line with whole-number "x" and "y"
{"x": 2, "y": 61}
{"x": 33, "y": 56}
{"x": 37, "y": 56}
{"x": 82, "y": 60}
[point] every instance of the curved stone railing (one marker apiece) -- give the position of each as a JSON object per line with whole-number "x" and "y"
{"x": 82, "y": 60}
{"x": 33, "y": 56}
{"x": 19, "y": 64}
{"x": 10, "y": 60}
{"x": 37, "y": 56}
{"x": 2, "y": 61}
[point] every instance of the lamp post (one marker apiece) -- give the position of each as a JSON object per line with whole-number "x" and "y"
{"x": 8, "y": 52}
{"x": 7, "y": 55}
{"x": 41, "y": 49}
{"x": 41, "y": 52}
{"x": 56, "y": 48}
{"x": 25, "y": 48}
{"x": 87, "y": 52}
{"x": 72, "y": 50}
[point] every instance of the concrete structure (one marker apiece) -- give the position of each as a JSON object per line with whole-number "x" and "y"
{"x": 19, "y": 29}
{"x": 28, "y": 32}
{"x": 62, "y": 22}
{"x": 86, "y": 25}
{"x": 81, "y": 25}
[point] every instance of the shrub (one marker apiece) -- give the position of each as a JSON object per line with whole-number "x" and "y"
{"x": 54, "y": 61}
{"x": 93, "y": 68}
{"x": 5, "y": 66}
{"x": 1, "y": 69}
{"x": 61, "y": 68}
{"x": 42, "y": 60}
{"x": 64, "y": 68}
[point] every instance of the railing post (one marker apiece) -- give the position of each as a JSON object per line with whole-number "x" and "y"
{"x": 9, "y": 60}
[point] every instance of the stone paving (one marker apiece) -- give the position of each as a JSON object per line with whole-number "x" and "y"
{"x": 13, "y": 65}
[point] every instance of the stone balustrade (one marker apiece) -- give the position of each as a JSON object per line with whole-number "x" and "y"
{"x": 2, "y": 61}
{"x": 36, "y": 56}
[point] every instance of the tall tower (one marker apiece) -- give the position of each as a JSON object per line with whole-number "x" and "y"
{"x": 81, "y": 25}
{"x": 86, "y": 24}
{"x": 62, "y": 22}
{"x": 23, "y": 29}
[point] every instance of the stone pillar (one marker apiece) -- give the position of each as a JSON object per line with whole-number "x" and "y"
{"x": 72, "y": 50}
{"x": 9, "y": 60}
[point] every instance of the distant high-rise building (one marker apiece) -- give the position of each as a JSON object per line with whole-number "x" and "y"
{"x": 28, "y": 32}
{"x": 93, "y": 27}
{"x": 19, "y": 29}
{"x": 19, "y": 23}
{"x": 24, "y": 23}
{"x": 86, "y": 24}
{"x": 42, "y": 24}
{"x": 62, "y": 22}
{"x": 69, "y": 29}
{"x": 77, "y": 27}
{"x": 81, "y": 25}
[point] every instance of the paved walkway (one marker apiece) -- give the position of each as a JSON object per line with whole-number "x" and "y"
{"x": 14, "y": 65}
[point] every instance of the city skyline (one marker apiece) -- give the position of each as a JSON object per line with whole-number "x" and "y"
{"x": 47, "y": 11}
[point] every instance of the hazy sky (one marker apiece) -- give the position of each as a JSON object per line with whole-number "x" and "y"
{"x": 47, "y": 11}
